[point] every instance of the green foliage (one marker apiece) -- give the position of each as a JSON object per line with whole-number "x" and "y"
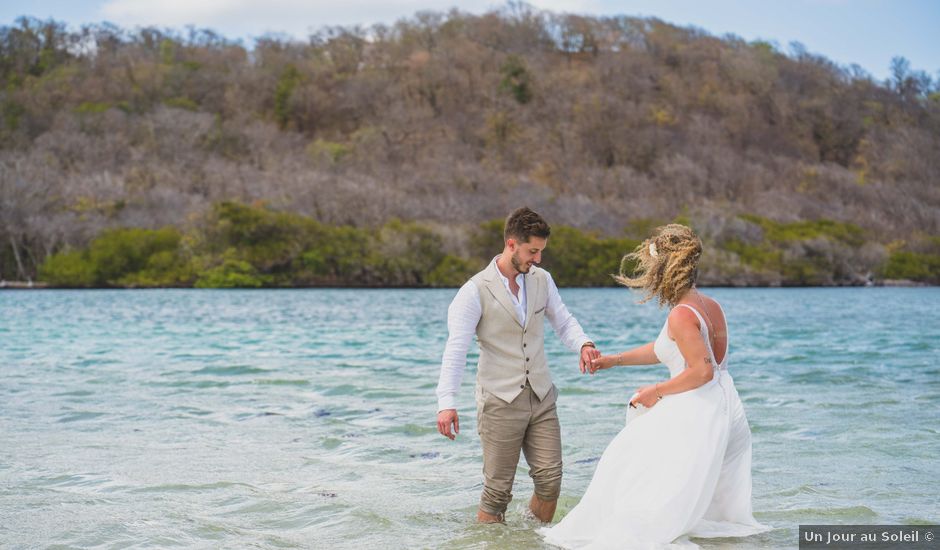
{"x": 12, "y": 113}
{"x": 766, "y": 49}
{"x": 408, "y": 252}
{"x": 683, "y": 218}
{"x": 761, "y": 256}
{"x": 452, "y": 271}
{"x": 487, "y": 240}
{"x": 181, "y": 103}
{"x": 232, "y": 273}
{"x": 282, "y": 93}
{"x": 339, "y": 254}
{"x": 68, "y": 269}
{"x": 806, "y": 272}
{"x": 641, "y": 228}
{"x": 578, "y": 258}
{"x": 808, "y": 253}
{"x": 330, "y": 151}
{"x": 164, "y": 268}
{"x": 252, "y": 246}
{"x": 92, "y": 108}
{"x": 781, "y": 232}
{"x": 914, "y": 266}
{"x": 121, "y": 252}
{"x": 267, "y": 240}
{"x": 516, "y": 79}
{"x": 32, "y": 47}
{"x": 167, "y": 51}
{"x": 122, "y": 257}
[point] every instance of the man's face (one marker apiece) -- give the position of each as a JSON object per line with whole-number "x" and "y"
{"x": 526, "y": 254}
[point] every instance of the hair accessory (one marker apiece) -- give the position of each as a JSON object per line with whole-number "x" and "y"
{"x": 653, "y": 251}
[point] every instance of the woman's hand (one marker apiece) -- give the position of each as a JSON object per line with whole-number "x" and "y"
{"x": 647, "y": 396}
{"x": 602, "y": 362}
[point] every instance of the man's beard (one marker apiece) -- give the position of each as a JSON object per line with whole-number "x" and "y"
{"x": 519, "y": 266}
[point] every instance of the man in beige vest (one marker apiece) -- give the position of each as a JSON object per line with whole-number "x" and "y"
{"x": 506, "y": 305}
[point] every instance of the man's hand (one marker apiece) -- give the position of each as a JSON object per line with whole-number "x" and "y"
{"x": 445, "y": 419}
{"x": 588, "y": 354}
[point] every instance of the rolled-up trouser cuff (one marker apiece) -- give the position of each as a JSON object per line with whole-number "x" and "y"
{"x": 494, "y": 502}
{"x": 548, "y": 489}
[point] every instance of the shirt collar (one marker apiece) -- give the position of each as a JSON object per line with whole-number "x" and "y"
{"x": 520, "y": 277}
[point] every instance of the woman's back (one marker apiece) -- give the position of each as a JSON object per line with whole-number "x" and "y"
{"x": 714, "y": 324}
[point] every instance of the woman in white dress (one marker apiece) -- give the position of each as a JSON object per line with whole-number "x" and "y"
{"x": 682, "y": 464}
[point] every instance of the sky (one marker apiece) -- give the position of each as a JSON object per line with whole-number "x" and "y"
{"x": 864, "y": 32}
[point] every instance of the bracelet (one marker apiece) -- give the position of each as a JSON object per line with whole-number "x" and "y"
{"x": 588, "y": 343}
{"x": 658, "y": 395}
{"x": 620, "y": 358}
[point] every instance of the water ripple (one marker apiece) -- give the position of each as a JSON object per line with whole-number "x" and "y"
{"x": 305, "y": 418}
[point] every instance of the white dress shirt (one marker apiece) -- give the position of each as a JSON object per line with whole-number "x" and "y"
{"x": 464, "y": 314}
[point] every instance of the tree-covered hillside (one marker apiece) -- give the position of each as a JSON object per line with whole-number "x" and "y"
{"x": 794, "y": 170}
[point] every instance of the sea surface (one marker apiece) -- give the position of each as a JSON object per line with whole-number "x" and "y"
{"x": 306, "y": 418}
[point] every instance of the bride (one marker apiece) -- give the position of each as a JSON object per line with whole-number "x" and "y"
{"x": 682, "y": 465}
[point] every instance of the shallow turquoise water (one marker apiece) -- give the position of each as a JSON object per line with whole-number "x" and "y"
{"x": 305, "y": 418}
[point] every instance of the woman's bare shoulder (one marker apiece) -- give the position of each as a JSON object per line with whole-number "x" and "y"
{"x": 682, "y": 318}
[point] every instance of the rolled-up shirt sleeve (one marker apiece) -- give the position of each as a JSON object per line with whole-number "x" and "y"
{"x": 463, "y": 316}
{"x": 564, "y": 324}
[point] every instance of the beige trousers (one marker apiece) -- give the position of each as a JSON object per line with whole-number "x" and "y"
{"x": 529, "y": 425}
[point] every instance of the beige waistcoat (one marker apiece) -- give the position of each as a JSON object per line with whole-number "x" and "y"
{"x": 511, "y": 353}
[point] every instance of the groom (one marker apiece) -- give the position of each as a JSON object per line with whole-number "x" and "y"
{"x": 505, "y": 305}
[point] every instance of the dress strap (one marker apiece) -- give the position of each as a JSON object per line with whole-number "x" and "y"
{"x": 697, "y": 314}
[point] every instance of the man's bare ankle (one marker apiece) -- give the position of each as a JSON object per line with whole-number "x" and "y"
{"x": 486, "y": 517}
{"x": 543, "y": 510}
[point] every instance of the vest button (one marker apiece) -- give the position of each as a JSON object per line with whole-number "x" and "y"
{"x": 523, "y": 344}
{"x": 527, "y": 372}
{"x": 526, "y": 358}
{"x": 521, "y": 386}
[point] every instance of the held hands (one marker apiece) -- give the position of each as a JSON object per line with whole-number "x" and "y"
{"x": 588, "y": 355}
{"x": 647, "y": 396}
{"x": 445, "y": 419}
{"x": 603, "y": 362}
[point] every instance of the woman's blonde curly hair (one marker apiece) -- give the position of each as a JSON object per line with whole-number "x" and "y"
{"x": 667, "y": 264}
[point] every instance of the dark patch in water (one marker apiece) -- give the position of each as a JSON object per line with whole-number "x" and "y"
{"x": 326, "y": 494}
{"x": 269, "y": 413}
{"x": 321, "y": 412}
{"x": 587, "y": 460}
{"x": 426, "y": 456}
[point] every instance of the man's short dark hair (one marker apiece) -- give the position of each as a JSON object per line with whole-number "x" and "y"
{"x": 523, "y": 223}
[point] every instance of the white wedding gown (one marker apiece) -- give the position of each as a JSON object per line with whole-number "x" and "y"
{"x": 681, "y": 469}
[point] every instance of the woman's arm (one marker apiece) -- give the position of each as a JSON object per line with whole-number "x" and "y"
{"x": 642, "y": 355}
{"x": 685, "y": 329}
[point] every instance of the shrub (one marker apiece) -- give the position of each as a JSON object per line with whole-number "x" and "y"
{"x": 452, "y": 271}
{"x": 231, "y": 274}
{"x": 68, "y": 269}
{"x": 915, "y": 266}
